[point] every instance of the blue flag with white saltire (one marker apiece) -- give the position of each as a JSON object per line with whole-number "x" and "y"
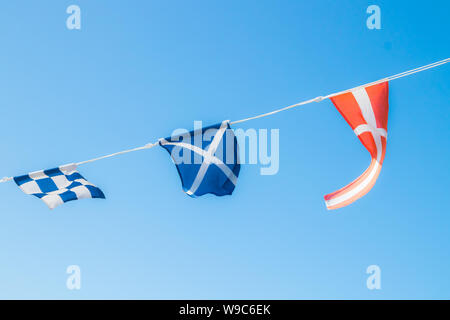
{"x": 207, "y": 159}
{"x": 59, "y": 185}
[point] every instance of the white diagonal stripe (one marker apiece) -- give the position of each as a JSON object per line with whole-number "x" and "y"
{"x": 208, "y": 158}
{"x": 191, "y": 147}
{"x": 226, "y": 170}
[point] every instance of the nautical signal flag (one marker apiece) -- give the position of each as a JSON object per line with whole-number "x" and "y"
{"x": 366, "y": 111}
{"x": 207, "y": 159}
{"x": 59, "y": 185}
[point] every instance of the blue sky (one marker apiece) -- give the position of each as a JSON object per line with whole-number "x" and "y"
{"x": 137, "y": 70}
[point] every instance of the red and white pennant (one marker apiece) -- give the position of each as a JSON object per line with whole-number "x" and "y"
{"x": 366, "y": 110}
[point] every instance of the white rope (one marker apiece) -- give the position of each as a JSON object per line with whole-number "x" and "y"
{"x": 147, "y": 146}
{"x": 317, "y": 99}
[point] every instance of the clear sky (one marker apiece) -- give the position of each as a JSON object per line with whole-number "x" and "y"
{"x": 139, "y": 69}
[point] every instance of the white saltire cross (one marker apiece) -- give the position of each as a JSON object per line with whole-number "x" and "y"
{"x": 208, "y": 158}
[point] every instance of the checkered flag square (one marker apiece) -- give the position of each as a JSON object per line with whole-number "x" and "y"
{"x": 59, "y": 185}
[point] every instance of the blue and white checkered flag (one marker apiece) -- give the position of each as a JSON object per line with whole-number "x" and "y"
{"x": 58, "y": 186}
{"x": 200, "y": 159}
